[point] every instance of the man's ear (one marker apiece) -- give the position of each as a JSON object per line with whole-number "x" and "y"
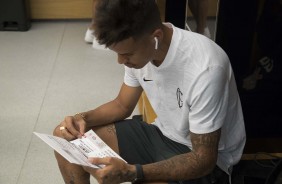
{"x": 156, "y": 43}
{"x": 158, "y": 37}
{"x": 158, "y": 33}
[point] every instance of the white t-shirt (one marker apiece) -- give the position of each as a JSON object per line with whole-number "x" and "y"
{"x": 194, "y": 90}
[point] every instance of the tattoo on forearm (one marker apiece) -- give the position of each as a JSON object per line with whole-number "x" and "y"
{"x": 190, "y": 165}
{"x": 119, "y": 176}
{"x": 205, "y": 143}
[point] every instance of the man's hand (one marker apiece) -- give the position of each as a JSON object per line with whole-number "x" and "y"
{"x": 72, "y": 127}
{"x": 115, "y": 171}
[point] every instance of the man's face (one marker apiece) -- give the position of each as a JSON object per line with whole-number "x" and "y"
{"x": 135, "y": 53}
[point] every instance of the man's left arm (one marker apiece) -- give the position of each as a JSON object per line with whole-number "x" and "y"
{"x": 195, "y": 164}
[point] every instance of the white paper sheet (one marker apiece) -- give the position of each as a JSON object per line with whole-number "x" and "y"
{"x": 79, "y": 150}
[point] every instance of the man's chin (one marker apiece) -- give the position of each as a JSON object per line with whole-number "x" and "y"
{"x": 134, "y": 66}
{"x": 137, "y": 67}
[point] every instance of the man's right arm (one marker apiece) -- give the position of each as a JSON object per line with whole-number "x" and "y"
{"x": 118, "y": 109}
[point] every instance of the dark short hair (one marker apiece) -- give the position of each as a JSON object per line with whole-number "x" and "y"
{"x": 117, "y": 20}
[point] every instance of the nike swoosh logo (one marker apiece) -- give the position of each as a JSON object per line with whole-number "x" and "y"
{"x": 146, "y": 80}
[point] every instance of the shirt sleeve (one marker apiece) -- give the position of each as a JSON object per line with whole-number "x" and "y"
{"x": 209, "y": 104}
{"x": 130, "y": 78}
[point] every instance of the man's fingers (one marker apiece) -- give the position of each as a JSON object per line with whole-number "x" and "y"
{"x": 66, "y": 134}
{"x": 101, "y": 161}
{"x": 90, "y": 169}
{"x": 82, "y": 128}
{"x": 74, "y": 132}
{"x": 73, "y": 126}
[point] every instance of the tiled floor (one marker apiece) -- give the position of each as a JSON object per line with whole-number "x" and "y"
{"x": 46, "y": 73}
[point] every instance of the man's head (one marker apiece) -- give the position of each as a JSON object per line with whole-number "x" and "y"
{"x": 130, "y": 28}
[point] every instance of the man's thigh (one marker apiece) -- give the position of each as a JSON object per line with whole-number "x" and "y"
{"x": 108, "y": 135}
{"x": 143, "y": 143}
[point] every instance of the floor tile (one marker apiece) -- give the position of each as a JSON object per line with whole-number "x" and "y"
{"x": 26, "y": 63}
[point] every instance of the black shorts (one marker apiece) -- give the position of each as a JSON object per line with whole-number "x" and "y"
{"x": 143, "y": 143}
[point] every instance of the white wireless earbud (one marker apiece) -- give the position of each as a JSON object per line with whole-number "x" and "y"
{"x": 156, "y": 43}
